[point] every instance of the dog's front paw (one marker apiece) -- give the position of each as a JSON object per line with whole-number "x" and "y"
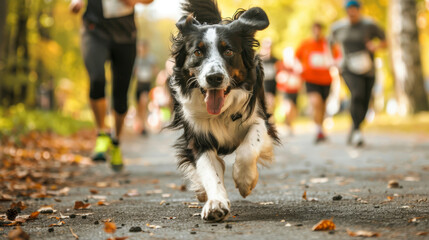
{"x": 216, "y": 210}
{"x": 245, "y": 178}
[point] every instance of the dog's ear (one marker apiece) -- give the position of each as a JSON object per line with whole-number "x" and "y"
{"x": 187, "y": 24}
{"x": 252, "y": 20}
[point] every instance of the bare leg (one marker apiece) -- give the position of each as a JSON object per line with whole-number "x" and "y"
{"x": 99, "y": 107}
{"x": 210, "y": 169}
{"x": 142, "y": 110}
{"x": 291, "y": 113}
{"x": 318, "y": 106}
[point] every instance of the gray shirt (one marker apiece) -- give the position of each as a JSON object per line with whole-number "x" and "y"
{"x": 144, "y": 68}
{"x": 353, "y": 39}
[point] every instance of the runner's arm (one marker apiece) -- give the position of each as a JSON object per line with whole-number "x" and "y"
{"x": 75, "y": 6}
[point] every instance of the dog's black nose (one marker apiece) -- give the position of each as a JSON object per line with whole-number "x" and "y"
{"x": 215, "y": 79}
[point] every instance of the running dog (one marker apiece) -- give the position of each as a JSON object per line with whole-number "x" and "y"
{"x": 218, "y": 95}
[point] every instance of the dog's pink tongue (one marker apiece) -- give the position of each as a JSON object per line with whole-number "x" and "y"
{"x": 214, "y": 101}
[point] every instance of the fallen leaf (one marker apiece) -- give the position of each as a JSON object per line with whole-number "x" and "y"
{"x": 393, "y": 184}
{"x": 74, "y": 234}
{"x": 156, "y": 191}
{"x": 18, "y": 234}
{"x": 34, "y": 215}
{"x": 411, "y": 179}
{"x": 319, "y": 180}
{"x": 109, "y": 227}
{"x": 362, "y": 233}
{"x": 60, "y": 223}
{"x": 47, "y": 209}
{"x": 304, "y": 195}
{"x": 176, "y": 187}
{"x": 6, "y": 197}
{"x": 162, "y": 202}
{"x": 132, "y": 193}
{"x": 19, "y": 205}
{"x": 80, "y": 205}
{"x": 390, "y": 198}
{"x": 102, "y": 203}
{"x": 422, "y": 233}
{"x": 324, "y": 225}
{"x": 153, "y": 226}
{"x": 166, "y": 195}
{"x": 97, "y": 197}
{"x": 93, "y": 191}
{"x": 118, "y": 238}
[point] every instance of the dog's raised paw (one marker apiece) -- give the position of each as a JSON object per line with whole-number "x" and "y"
{"x": 215, "y": 210}
{"x": 245, "y": 179}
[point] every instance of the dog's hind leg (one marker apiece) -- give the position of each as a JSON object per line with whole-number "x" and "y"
{"x": 257, "y": 144}
{"x": 210, "y": 169}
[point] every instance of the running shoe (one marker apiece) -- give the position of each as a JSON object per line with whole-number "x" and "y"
{"x": 116, "y": 158}
{"x": 320, "y": 138}
{"x": 102, "y": 144}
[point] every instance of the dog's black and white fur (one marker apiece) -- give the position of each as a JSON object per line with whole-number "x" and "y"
{"x": 217, "y": 87}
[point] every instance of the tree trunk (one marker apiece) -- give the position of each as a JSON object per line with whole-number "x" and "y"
{"x": 3, "y": 11}
{"x": 406, "y": 61}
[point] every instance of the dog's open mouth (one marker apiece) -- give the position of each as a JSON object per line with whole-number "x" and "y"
{"x": 215, "y": 98}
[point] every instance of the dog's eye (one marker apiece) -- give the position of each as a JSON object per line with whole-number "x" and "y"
{"x": 198, "y": 53}
{"x": 228, "y": 53}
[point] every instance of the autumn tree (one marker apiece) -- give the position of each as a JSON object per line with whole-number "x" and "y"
{"x": 406, "y": 59}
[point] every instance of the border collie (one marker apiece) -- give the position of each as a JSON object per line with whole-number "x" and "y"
{"x": 218, "y": 95}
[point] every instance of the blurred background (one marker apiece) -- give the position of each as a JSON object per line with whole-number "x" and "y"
{"x": 42, "y": 76}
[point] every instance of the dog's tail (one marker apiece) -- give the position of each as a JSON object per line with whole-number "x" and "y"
{"x": 205, "y": 11}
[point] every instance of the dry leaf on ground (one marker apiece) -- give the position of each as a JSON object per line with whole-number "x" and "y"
{"x": 422, "y": 233}
{"x": 393, "y": 184}
{"x": 153, "y": 226}
{"x": 102, "y": 203}
{"x": 33, "y": 215}
{"x": 47, "y": 209}
{"x": 109, "y": 227}
{"x": 117, "y": 238}
{"x": 18, "y": 234}
{"x": 304, "y": 195}
{"x": 81, "y": 205}
{"x": 93, "y": 191}
{"x": 132, "y": 193}
{"x": 60, "y": 223}
{"x": 19, "y": 205}
{"x": 324, "y": 225}
{"x": 363, "y": 233}
{"x": 73, "y": 233}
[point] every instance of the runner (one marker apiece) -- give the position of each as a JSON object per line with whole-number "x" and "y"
{"x": 109, "y": 33}
{"x": 315, "y": 59}
{"x": 356, "y": 34}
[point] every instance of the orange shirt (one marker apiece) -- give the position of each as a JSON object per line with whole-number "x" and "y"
{"x": 287, "y": 80}
{"x": 315, "y": 60}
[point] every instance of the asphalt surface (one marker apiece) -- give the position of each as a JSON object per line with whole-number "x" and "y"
{"x": 275, "y": 210}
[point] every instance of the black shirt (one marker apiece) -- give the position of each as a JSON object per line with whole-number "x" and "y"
{"x": 119, "y": 30}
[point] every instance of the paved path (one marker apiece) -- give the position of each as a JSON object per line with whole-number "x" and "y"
{"x": 276, "y": 209}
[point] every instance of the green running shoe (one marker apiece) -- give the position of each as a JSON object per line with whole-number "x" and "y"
{"x": 116, "y": 158}
{"x": 102, "y": 144}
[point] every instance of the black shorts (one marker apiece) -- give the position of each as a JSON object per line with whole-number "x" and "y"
{"x": 291, "y": 96}
{"x": 323, "y": 90}
{"x": 142, "y": 87}
{"x": 270, "y": 86}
